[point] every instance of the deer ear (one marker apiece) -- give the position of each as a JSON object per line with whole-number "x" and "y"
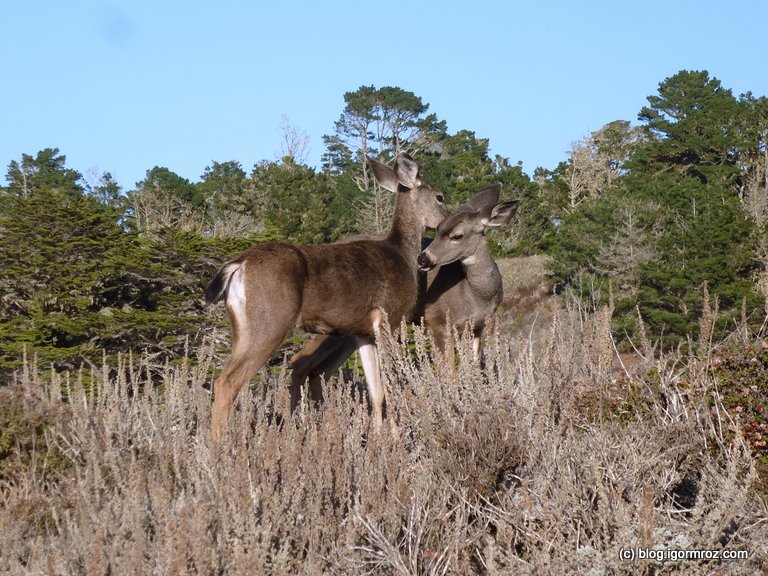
{"x": 407, "y": 171}
{"x": 384, "y": 175}
{"x": 501, "y": 213}
{"x": 486, "y": 198}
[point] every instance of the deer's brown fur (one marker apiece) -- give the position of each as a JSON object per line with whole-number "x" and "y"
{"x": 335, "y": 289}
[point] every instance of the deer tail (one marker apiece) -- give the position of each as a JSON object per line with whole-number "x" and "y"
{"x": 217, "y": 289}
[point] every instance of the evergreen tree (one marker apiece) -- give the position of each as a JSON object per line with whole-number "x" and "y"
{"x": 56, "y": 249}
{"x": 671, "y": 222}
{"x": 690, "y": 127}
{"x": 690, "y": 165}
{"x": 231, "y": 209}
{"x": 105, "y": 189}
{"x": 296, "y": 201}
{"x": 164, "y": 199}
{"x": 460, "y": 165}
{"x": 76, "y": 283}
{"x": 380, "y": 121}
{"x": 706, "y": 239}
{"x": 46, "y": 170}
{"x": 532, "y": 231}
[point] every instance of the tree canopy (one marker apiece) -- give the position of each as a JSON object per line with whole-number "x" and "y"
{"x": 661, "y": 217}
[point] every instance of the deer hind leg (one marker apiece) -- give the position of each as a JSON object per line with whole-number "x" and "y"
{"x": 319, "y": 359}
{"x": 241, "y": 366}
{"x": 258, "y": 328}
{"x": 239, "y": 369}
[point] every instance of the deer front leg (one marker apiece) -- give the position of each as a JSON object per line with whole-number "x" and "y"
{"x": 443, "y": 343}
{"x": 369, "y": 355}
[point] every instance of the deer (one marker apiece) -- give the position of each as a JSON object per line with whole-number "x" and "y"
{"x": 466, "y": 288}
{"x": 455, "y": 292}
{"x": 343, "y": 289}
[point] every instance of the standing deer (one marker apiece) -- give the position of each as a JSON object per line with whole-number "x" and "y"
{"x": 457, "y": 291}
{"x": 467, "y": 288}
{"x": 339, "y": 289}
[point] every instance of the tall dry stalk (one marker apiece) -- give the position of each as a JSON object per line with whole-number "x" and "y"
{"x": 500, "y": 467}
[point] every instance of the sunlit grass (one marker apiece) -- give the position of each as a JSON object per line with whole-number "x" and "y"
{"x": 550, "y": 458}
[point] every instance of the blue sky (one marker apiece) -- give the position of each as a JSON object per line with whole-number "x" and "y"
{"x": 125, "y": 86}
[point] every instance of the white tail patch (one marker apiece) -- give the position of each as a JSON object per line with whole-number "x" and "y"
{"x": 236, "y": 290}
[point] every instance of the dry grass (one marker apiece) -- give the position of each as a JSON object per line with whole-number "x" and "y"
{"x": 529, "y": 303}
{"x": 538, "y": 462}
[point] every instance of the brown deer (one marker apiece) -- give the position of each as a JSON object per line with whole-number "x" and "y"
{"x": 466, "y": 289}
{"x": 338, "y": 289}
{"x": 452, "y": 291}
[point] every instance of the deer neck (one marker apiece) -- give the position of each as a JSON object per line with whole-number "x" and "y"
{"x": 481, "y": 272}
{"x": 407, "y": 229}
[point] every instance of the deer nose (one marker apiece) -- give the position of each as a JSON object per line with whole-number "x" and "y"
{"x": 425, "y": 262}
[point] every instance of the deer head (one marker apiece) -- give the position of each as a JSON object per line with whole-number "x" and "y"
{"x": 461, "y": 235}
{"x": 418, "y": 200}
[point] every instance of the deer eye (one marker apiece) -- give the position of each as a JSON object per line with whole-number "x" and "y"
{"x": 439, "y": 198}
{"x": 457, "y": 237}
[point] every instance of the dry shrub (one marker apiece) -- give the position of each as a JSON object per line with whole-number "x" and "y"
{"x": 498, "y": 467}
{"x": 529, "y": 301}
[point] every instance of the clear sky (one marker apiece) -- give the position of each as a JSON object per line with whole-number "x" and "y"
{"x": 125, "y": 86}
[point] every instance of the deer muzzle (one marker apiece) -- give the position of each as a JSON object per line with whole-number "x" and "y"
{"x": 425, "y": 261}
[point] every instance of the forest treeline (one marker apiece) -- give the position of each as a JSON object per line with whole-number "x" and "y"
{"x": 666, "y": 217}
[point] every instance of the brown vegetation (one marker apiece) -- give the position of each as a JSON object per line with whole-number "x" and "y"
{"x": 545, "y": 460}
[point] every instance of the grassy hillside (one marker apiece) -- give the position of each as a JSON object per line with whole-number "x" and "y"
{"x": 554, "y": 457}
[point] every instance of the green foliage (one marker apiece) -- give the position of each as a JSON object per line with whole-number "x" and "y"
{"x": 106, "y": 190}
{"x": 644, "y": 215}
{"x": 296, "y": 201}
{"x": 76, "y": 282}
{"x": 709, "y": 243}
{"x": 221, "y": 184}
{"x": 675, "y": 218}
{"x": 691, "y": 125}
{"x": 597, "y": 238}
{"x": 532, "y": 231}
{"x": 57, "y": 247}
{"x": 223, "y": 178}
{"x": 343, "y": 196}
{"x": 460, "y": 166}
{"x": 388, "y": 120}
{"x": 233, "y": 205}
{"x": 46, "y": 170}
{"x": 164, "y": 199}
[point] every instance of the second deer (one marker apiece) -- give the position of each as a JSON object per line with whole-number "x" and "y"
{"x": 467, "y": 288}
